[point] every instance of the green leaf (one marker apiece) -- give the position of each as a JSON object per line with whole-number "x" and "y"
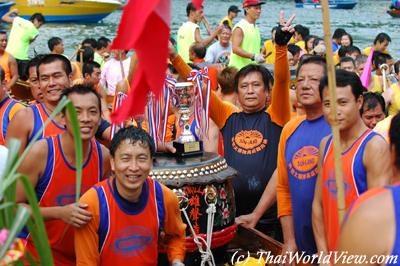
{"x": 37, "y": 228}
{"x": 78, "y": 148}
{"x": 21, "y": 217}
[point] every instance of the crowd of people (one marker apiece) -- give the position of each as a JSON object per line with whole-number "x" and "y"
{"x": 274, "y": 128}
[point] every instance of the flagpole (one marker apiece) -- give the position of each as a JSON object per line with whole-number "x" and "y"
{"x": 332, "y": 95}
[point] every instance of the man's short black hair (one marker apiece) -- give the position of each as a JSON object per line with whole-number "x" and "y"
{"x": 90, "y": 42}
{"x": 380, "y": 58}
{"x": 34, "y": 62}
{"x": 348, "y": 59}
{"x": 344, "y": 78}
{"x": 312, "y": 59}
{"x": 267, "y": 77}
{"x": 3, "y": 32}
{"x": 38, "y": 17}
{"x": 381, "y": 37}
{"x": 50, "y": 58}
{"x": 88, "y": 68}
{"x": 353, "y": 49}
{"x": 53, "y": 41}
{"x": 199, "y": 50}
{"x": 294, "y": 49}
{"x": 371, "y": 101}
{"x": 103, "y": 42}
{"x": 343, "y": 50}
{"x": 133, "y": 135}
{"x": 81, "y": 90}
{"x": 189, "y": 8}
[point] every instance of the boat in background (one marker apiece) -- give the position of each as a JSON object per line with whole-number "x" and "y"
{"x": 5, "y": 7}
{"x": 395, "y": 13}
{"x": 68, "y": 10}
{"x": 334, "y": 4}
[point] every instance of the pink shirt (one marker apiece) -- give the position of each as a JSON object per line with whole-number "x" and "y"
{"x": 111, "y": 74}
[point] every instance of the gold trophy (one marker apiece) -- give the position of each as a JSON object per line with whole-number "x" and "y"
{"x": 186, "y": 144}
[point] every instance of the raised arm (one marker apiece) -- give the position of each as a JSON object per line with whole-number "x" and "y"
{"x": 10, "y": 16}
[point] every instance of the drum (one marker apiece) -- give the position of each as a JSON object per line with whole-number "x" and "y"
{"x": 199, "y": 181}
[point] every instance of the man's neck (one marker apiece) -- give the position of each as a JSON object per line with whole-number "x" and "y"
{"x": 131, "y": 196}
{"x": 68, "y": 147}
{"x": 347, "y": 137}
{"x": 2, "y": 52}
{"x": 312, "y": 112}
{"x": 224, "y": 44}
{"x": 193, "y": 20}
{"x": 250, "y": 19}
{"x": 49, "y": 107}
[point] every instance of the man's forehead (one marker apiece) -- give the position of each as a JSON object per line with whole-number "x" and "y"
{"x": 53, "y": 67}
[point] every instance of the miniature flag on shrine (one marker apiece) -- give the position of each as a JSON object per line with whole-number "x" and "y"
{"x": 144, "y": 28}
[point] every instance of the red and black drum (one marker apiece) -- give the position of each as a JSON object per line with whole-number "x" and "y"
{"x": 198, "y": 182}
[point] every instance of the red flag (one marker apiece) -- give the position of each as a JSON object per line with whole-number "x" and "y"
{"x": 197, "y": 3}
{"x": 144, "y": 27}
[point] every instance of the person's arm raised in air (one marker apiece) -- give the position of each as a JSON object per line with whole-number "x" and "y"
{"x": 10, "y": 16}
{"x": 280, "y": 103}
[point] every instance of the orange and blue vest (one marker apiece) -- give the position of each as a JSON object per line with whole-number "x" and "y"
{"x": 128, "y": 232}
{"x": 56, "y": 187}
{"x": 354, "y": 178}
{"x": 5, "y": 108}
{"x": 40, "y": 116}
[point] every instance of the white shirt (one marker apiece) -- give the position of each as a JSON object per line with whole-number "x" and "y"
{"x": 111, "y": 74}
{"x": 216, "y": 53}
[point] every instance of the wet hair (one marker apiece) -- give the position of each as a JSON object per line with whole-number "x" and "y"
{"x": 134, "y": 135}
{"x": 303, "y": 31}
{"x": 371, "y": 101}
{"x": 266, "y": 75}
{"x": 294, "y": 49}
{"x": 50, "y": 58}
{"x": 87, "y": 55}
{"x": 88, "y": 68}
{"x": 312, "y": 59}
{"x": 102, "y": 42}
{"x": 34, "y": 62}
{"x": 226, "y": 80}
{"x": 350, "y": 38}
{"x": 339, "y": 32}
{"x": 380, "y": 58}
{"x": 38, "y": 17}
{"x": 81, "y": 90}
{"x": 348, "y": 59}
{"x": 381, "y": 37}
{"x": 199, "y": 50}
{"x": 53, "y": 41}
{"x": 90, "y": 42}
{"x": 190, "y": 7}
{"x": 344, "y": 78}
{"x": 394, "y": 136}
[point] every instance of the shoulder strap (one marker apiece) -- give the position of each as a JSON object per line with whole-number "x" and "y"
{"x": 160, "y": 205}
{"x": 45, "y": 179}
{"x": 104, "y": 225}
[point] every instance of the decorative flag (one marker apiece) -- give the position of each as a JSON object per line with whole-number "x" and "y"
{"x": 366, "y": 74}
{"x": 144, "y": 27}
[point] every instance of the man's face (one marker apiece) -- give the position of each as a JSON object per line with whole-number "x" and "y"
{"x": 381, "y": 46}
{"x": 59, "y": 48}
{"x": 307, "y": 88}
{"x": 349, "y": 66}
{"x": 94, "y": 78}
{"x": 225, "y": 36}
{"x": 254, "y": 11}
{"x": 33, "y": 82}
{"x": 53, "y": 80}
{"x": 347, "y": 107}
{"x": 37, "y": 24}
{"x": 372, "y": 116}
{"x": 297, "y": 37}
{"x": 360, "y": 68}
{"x": 252, "y": 92}
{"x": 198, "y": 14}
{"x": 3, "y": 42}
{"x": 233, "y": 15}
{"x": 131, "y": 165}
{"x": 88, "y": 112}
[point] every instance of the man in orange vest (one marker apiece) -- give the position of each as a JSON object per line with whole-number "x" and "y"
{"x": 8, "y": 62}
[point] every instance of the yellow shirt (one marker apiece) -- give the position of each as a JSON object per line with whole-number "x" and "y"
{"x": 394, "y": 106}
{"x": 367, "y": 51}
{"x": 383, "y": 127}
{"x": 301, "y": 44}
{"x": 377, "y": 84}
{"x": 228, "y": 20}
{"x": 269, "y": 52}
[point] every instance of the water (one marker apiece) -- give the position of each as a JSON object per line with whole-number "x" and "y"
{"x": 364, "y": 22}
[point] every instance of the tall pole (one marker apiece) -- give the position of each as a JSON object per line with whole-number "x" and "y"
{"x": 333, "y": 103}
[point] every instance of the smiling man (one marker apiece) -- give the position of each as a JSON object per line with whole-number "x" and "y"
{"x": 54, "y": 175}
{"x": 54, "y": 73}
{"x": 130, "y": 210}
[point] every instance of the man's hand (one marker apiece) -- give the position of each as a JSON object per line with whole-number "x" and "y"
{"x": 285, "y": 30}
{"x": 75, "y": 215}
{"x": 248, "y": 220}
{"x": 259, "y": 58}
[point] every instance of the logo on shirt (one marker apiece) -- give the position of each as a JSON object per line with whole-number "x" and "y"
{"x": 249, "y": 142}
{"x": 304, "y": 163}
{"x": 132, "y": 241}
{"x": 66, "y": 195}
{"x": 330, "y": 185}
